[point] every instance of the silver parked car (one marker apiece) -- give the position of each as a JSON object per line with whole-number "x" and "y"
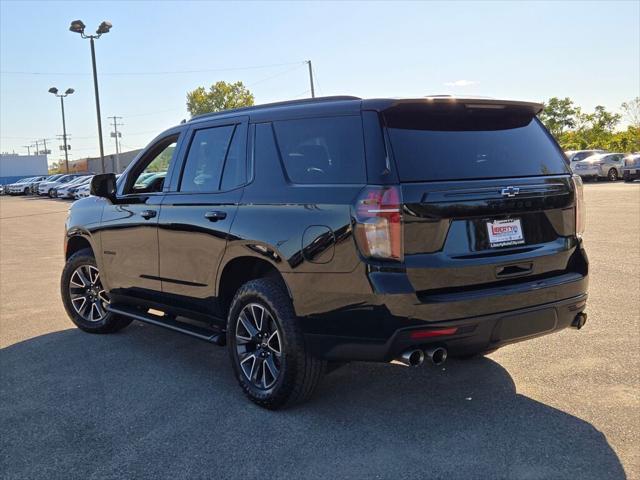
{"x": 601, "y": 165}
{"x": 577, "y": 155}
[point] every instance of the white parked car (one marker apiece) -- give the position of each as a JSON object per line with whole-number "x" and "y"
{"x": 601, "y": 165}
{"x": 22, "y": 187}
{"x": 46, "y": 188}
{"x": 68, "y": 190}
{"x": 82, "y": 191}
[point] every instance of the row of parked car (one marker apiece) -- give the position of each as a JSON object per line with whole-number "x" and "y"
{"x": 596, "y": 164}
{"x": 68, "y": 186}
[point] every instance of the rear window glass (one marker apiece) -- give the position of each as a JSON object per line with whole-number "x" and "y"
{"x": 322, "y": 150}
{"x": 458, "y": 144}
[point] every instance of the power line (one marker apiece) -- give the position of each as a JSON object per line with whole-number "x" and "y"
{"x": 165, "y": 72}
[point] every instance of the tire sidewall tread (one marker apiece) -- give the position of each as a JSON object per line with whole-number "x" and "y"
{"x": 300, "y": 372}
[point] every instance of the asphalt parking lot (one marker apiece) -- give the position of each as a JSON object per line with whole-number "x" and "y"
{"x": 148, "y": 403}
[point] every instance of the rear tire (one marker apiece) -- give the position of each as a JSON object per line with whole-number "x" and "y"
{"x": 267, "y": 348}
{"x": 84, "y": 298}
{"x": 612, "y": 175}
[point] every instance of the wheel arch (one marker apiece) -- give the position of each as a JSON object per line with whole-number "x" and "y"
{"x": 76, "y": 242}
{"x": 238, "y": 271}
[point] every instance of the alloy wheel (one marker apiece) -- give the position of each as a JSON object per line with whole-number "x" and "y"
{"x": 88, "y": 296}
{"x": 258, "y": 346}
{"x": 613, "y": 175}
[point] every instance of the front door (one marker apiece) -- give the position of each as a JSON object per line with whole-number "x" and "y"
{"x": 129, "y": 227}
{"x": 197, "y": 213}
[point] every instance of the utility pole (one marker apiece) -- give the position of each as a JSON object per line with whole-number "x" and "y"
{"x": 116, "y": 135}
{"x": 313, "y": 91}
{"x": 66, "y": 147}
{"x": 28, "y": 147}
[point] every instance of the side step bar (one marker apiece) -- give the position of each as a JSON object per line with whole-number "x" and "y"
{"x": 195, "y": 331}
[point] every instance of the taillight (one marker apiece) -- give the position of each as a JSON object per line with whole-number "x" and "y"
{"x": 580, "y": 211}
{"x": 378, "y": 222}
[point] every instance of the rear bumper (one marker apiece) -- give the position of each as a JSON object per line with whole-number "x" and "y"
{"x": 473, "y": 334}
{"x": 346, "y": 319}
{"x": 590, "y": 172}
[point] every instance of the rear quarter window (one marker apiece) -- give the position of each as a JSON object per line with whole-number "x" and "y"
{"x": 471, "y": 144}
{"x": 322, "y": 150}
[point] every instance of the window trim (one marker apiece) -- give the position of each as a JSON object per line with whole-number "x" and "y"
{"x": 174, "y": 188}
{"x": 132, "y": 173}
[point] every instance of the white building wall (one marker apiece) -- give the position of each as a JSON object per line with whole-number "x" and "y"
{"x": 12, "y": 165}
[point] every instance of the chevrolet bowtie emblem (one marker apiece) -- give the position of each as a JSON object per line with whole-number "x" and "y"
{"x": 510, "y": 191}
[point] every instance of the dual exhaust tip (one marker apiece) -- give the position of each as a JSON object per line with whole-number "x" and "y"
{"x": 415, "y": 358}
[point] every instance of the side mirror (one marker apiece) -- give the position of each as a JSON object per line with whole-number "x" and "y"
{"x": 104, "y": 185}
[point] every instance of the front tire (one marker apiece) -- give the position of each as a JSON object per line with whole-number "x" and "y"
{"x": 267, "y": 348}
{"x": 84, "y": 298}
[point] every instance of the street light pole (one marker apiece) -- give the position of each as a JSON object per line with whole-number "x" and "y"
{"x": 77, "y": 26}
{"x": 64, "y": 135}
{"x": 95, "y": 88}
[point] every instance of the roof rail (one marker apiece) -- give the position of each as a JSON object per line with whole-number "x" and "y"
{"x": 284, "y": 103}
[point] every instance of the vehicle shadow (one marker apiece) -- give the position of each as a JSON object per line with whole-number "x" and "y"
{"x": 147, "y": 403}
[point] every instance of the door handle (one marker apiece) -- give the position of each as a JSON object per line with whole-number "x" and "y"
{"x": 215, "y": 215}
{"x": 147, "y": 214}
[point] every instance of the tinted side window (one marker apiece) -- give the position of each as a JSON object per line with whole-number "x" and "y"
{"x": 205, "y": 159}
{"x": 322, "y": 150}
{"x": 235, "y": 166}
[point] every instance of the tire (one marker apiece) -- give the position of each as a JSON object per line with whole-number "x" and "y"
{"x": 72, "y": 292}
{"x": 612, "y": 175}
{"x": 298, "y": 372}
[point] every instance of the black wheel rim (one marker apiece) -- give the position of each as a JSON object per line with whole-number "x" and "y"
{"x": 258, "y": 346}
{"x": 613, "y": 175}
{"x": 88, "y": 297}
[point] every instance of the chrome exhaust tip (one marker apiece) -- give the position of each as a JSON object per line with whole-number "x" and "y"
{"x": 437, "y": 355}
{"x": 411, "y": 358}
{"x": 579, "y": 321}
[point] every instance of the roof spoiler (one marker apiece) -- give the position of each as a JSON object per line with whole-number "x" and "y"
{"x": 475, "y": 103}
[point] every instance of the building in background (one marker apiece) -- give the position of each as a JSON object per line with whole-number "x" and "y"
{"x": 112, "y": 163}
{"x": 14, "y": 167}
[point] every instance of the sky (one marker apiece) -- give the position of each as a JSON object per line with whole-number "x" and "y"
{"x": 157, "y": 51}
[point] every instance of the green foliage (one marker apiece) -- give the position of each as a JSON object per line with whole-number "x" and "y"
{"x": 559, "y": 115}
{"x": 220, "y": 96}
{"x": 575, "y": 130}
{"x": 161, "y": 162}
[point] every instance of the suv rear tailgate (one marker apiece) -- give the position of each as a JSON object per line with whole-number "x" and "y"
{"x": 487, "y": 195}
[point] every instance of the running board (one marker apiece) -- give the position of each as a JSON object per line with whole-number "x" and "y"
{"x": 201, "y": 333}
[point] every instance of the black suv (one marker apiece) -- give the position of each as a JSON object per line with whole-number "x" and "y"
{"x": 309, "y": 233}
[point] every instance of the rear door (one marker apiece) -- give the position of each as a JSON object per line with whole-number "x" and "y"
{"x": 487, "y": 196}
{"x": 198, "y": 211}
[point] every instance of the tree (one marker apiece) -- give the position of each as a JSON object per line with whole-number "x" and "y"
{"x": 220, "y": 96}
{"x": 559, "y": 115}
{"x": 631, "y": 112}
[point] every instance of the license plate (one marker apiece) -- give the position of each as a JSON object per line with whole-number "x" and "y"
{"x": 505, "y": 232}
{"x": 632, "y": 172}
